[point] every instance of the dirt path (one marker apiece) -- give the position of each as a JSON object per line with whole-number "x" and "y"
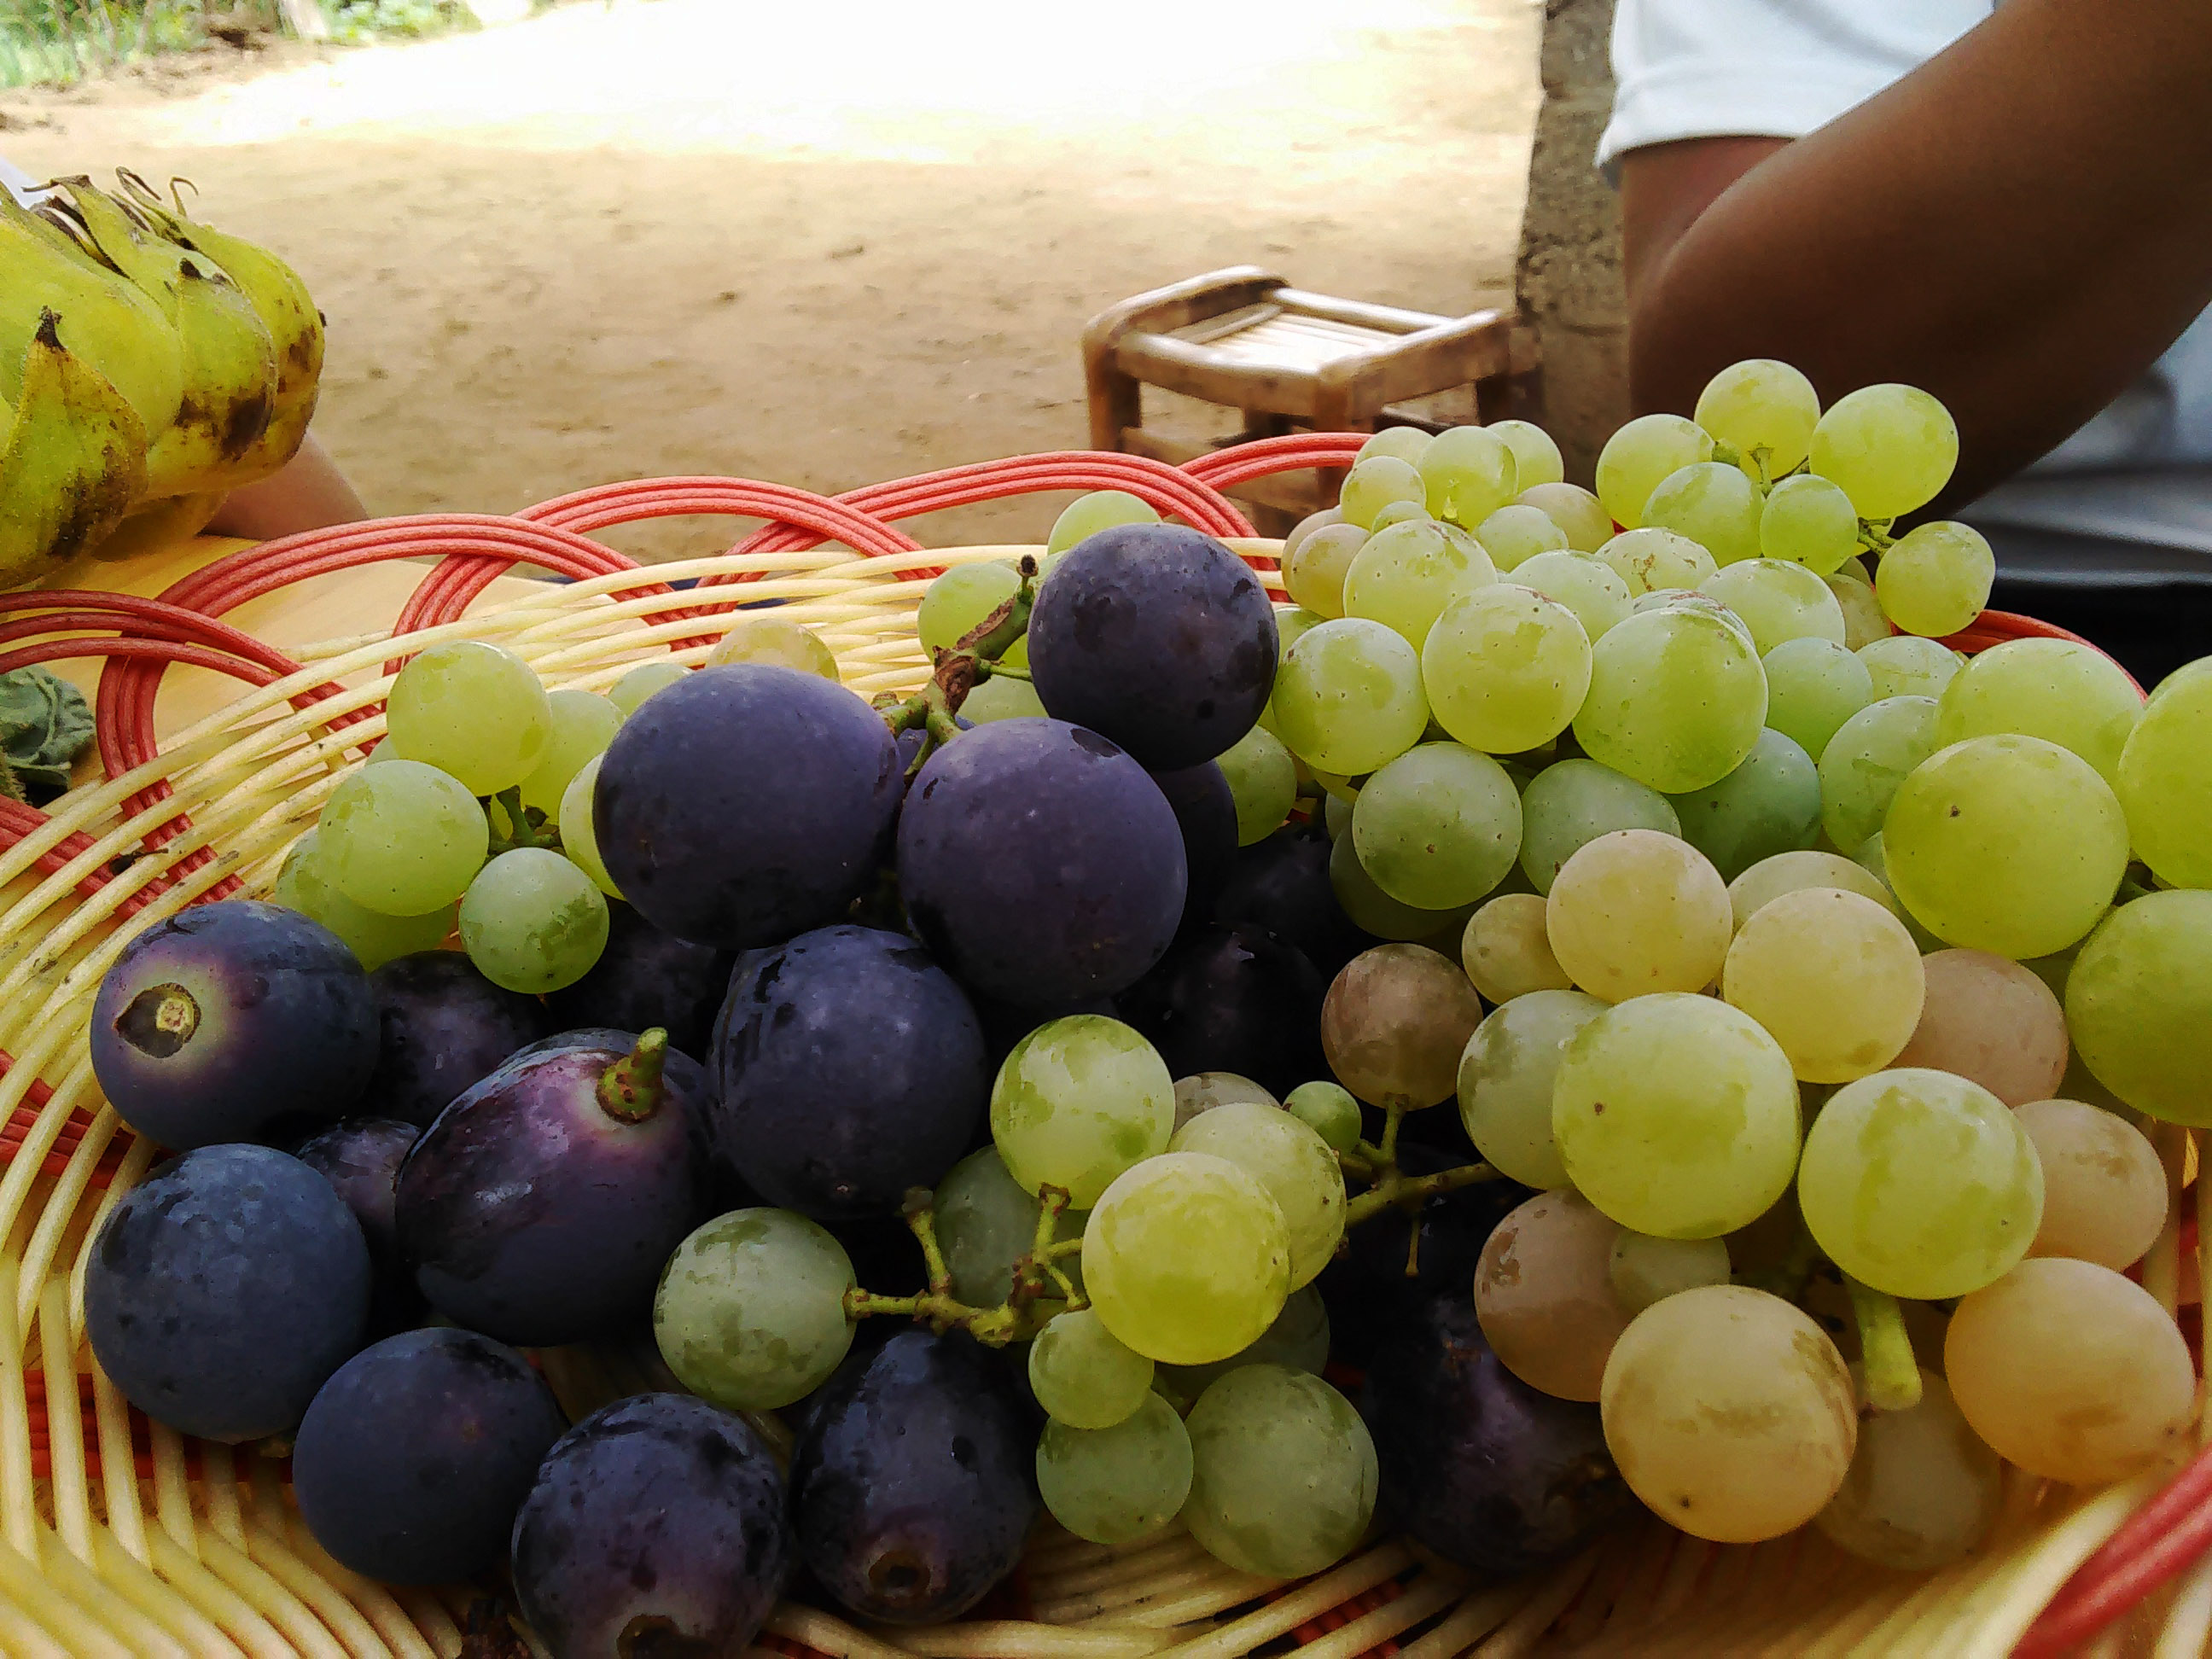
{"x": 819, "y": 244}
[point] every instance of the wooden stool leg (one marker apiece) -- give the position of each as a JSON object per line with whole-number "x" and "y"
{"x": 1116, "y": 400}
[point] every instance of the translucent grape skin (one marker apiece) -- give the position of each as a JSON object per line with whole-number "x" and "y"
{"x": 1935, "y": 578}
{"x": 1469, "y": 472}
{"x": 1505, "y": 669}
{"x": 750, "y": 1311}
{"x": 402, "y": 839}
{"x": 1866, "y": 760}
{"x": 2139, "y": 1002}
{"x": 1582, "y": 582}
{"x": 2165, "y": 779}
{"x": 1398, "y": 512}
{"x": 1770, "y": 803}
{"x": 1291, "y": 1160}
{"x": 1778, "y": 601}
{"x": 1314, "y": 574}
{"x": 1329, "y": 1110}
{"x": 1636, "y": 911}
{"x": 1573, "y": 802}
{"x": 1923, "y": 1491}
{"x": 1537, "y": 458}
{"x": 471, "y": 710}
{"x": 1406, "y": 443}
{"x": 1439, "y": 827}
{"x": 1394, "y": 1023}
{"x": 1348, "y": 697}
{"x": 1118, "y": 1484}
{"x": 1374, "y": 912}
{"x": 1644, "y": 1270}
{"x": 1086, "y": 515}
{"x": 1187, "y": 1259}
{"x": 1407, "y": 573}
{"x": 772, "y": 639}
{"x": 1284, "y": 1475}
{"x": 2104, "y": 1188}
{"x": 374, "y": 939}
{"x": 1641, "y": 453}
{"x": 629, "y": 692}
{"x": 532, "y": 921}
{"x": 1203, "y": 1091}
{"x": 1518, "y": 532}
{"x": 1652, "y": 558}
{"x": 1864, "y": 621}
{"x": 1078, "y": 1102}
{"x": 1892, "y": 447}
{"x": 1789, "y": 873}
{"x": 1810, "y": 522}
{"x": 1374, "y": 483}
{"x": 1991, "y": 1020}
{"x": 1713, "y": 504}
{"x": 1506, "y": 1075}
{"x": 583, "y": 723}
{"x": 960, "y": 599}
{"x": 2064, "y": 692}
{"x": 1677, "y": 700}
{"x": 1083, "y": 1376}
{"x": 579, "y": 840}
{"x": 1730, "y": 1414}
{"x": 1507, "y": 951}
{"x": 1833, "y": 977}
{"x": 1587, "y": 526}
{"x": 1764, "y": 410}
{"x": 1299, "y": 1339}
{"x": 1263, "y": 781}
{"x": 1908, "y": 665}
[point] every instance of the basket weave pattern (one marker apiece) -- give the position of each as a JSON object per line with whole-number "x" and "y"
{"x": 118, "y": 1538}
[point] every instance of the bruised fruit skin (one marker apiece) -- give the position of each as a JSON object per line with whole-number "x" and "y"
{"x": 646, "y": 977}
{"x": 441, "y": 1027}
{"x": 655, "y": 1529}
{"x": 227, "y": 1017}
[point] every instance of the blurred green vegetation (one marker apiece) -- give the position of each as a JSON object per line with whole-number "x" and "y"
{"x": 57, "y": 42}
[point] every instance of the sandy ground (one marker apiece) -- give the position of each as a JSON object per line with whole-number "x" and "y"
{"x": 820, "y": 244}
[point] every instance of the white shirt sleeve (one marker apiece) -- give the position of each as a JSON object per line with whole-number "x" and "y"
{"x": 1778, "y": 69}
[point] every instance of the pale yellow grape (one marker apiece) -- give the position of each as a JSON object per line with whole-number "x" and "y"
{"x": 1394, "y": 1023}
{"x": 1677, "y": 1115}
{"x": 1908, "y": 665}
{"x": 1507, "y": 950}
{"x": 1291, "y": 1160}
{"x": 2104, "y": 1188}
{"x": 374, "y": 939}
{"x": 1793, "y": 872}
{"x": 2165, "y": 779}
{"x": 1892, "y": 447}
{"x": 1587, "y": 526}
{"x": 1406, "y": 576}
{"x": 1713, "y": 504}
{"x": 641, "y": 682}
{"x": 1653, "y": 558}
{"x": 1398, "y": 512}
{"x": 1185, "y": 1258}
{"x": 2139, "y": 1004}
{"x": 773, "y": 640}
{"x": 1812, "y": 686}
{"x": 1924, "y": 1489}
{"x": 1764, "y": 410}
{"x": 1687, "y": 599}
{"x": 1331, "y": 1111}
{"x": 1002, "y": 697}
{"x": 1857, "y": 568}
{"x": 1283, "y": 1472}
{"x": 2006, "y": 844}
{"x": 1336, "y": 814}
{"x": 1406, "y": 443}
{"x": 1645, "y": 1270}
{"x": 1293, "y": 623}
{"x": 1085, "y": 516}
{"x": 1778, "y": 601}
{"x": 1374, "y": 911}
{"x": 1867, "y": 759}
{"x": 473, "y": 710}
{"x": 1373, "y": 484}
{"x": 1439, "y": 827}
{"x": 1348, "y": 696}
{"x": 1515, "y": 534}
{"x": 1084, "y": 1376}
{"x": 583, "y": 723}
{"x": 2061, "y": 690}
{"x": 960, "y": 600}
{"x": 1469, "y": 472}
{"x": 1543, "y": 1293}
{"x": 1313, "y": 575}
{"x": 1808, "y": 521}
{"x": 1582, "y": 582}
{"x": 1935, "y": 578}
{"x": 1202, "y": 1092}
{"x": 1638, "y": 911}
{"x": 577, "y": 838}
{"x": 1263, "y": 782}
{"x": 1505, "y": 1079}
{"x": 1864, "y": 623}
{"x": 1077, "y": 1102}
{"x": 1571, "y": 804}
{"x": 1640, "y": 455}
{"x": 1833, "y": 977}
{"x": 2071, "y": 1371}
{"x": 1505, "y": 669}
{"x": 1993, "y": 1021}
{"x": 401, "y": 838}
{"x": 1535, "y": 458}
{"x": 1677, "y": 700}
{"x": 1729, "y": 1413}
{"x": 1304, "y": 528}
{"x": 1871, "y": 857}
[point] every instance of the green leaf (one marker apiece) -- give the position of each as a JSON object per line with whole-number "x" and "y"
{"x": 45, "y": 724}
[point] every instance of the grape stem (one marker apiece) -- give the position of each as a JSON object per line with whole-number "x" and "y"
{"x": 973, "y": 658}
{"x": 630, "y": 1090}
{"x": 1410, "y": 1192}
{"x": 1893, "y": 1374}
{"x": 526, "y": 825}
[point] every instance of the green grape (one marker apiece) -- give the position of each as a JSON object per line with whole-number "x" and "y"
{"x": 1812, "y": 686}
{"x": 1306, "y": 526}
{"x": 1867, "y": 759}
{"x": 1655, "y": 558}
{"x": 1891, "y": 448}
{"x": 1543, "y": 1293}
{"x": 1714, "y": 505}
{"x": 583, "y": 723}
{"x": 1394, "y": 1023}
{"x": 1292, "y": 624}
{"x": 472, "y": 710}
{"x": 1679, "y": 598}
{"x": 1084, "y": 1376}
{"x": 1769, "y": 805}
{"x": 1406, "y": 576}
{"x": 1078, "y": 1101}
{"x": 532, "y": 921}
{"x": 1374, "y": 911}
{"x": 1644, "y": 1270}
{"x": 1793, "y": 872}
{"x": 1373, "y": 484}
{"x": 1677, "y": 700}
{"x": 1676, "y": 1114}
{"x": 751, "y": 1312}
{"x": 778, "y": 643}
{"x": 402, "y": 839}
{"x": 1297, "y": 1339}
{"x": 1874, "y": 861}
{"x": 1778, "y": 601}
{"x": 1329, "y": 1110}
{"x": 1516, "y": 534}
{"x": 2010, "y": 845}
{"x": 1923, "y": 1490}
{"x": 2165, "y": 779}
{"x": 1833, "y": 977}
{"x": 1864, "y": 623}
{"x": 1636, "y": 911}
{"x": 2104, "y": 1188}
{"x": 1313, "y": 575}
{"x": 1935, "y": 579}
{"x": 1908, "y": 665}
{"x": 374, "y": 938}
{"x": 986, "y": 1224}
{"x": 1202, "y": 1091}
{"x": 1920, "y": 1183}
{"x": 1283, "y": 1476}
{"x": 1505, "y": 1082}
{"x": 577, "y": 838}
{"x": 959, "y": 601}
{"x": 1348, "y": 697}
{"x": 1400, "y": 512}
{"x": 1764, "y": 410}
{"x": 1336, "y": 816}
{"x": 1469, "y": 472}
{"x": 2139, "y": 1003}
{"x": 1187, "y": 1258}
{"x": 1730, "y": 1413}
{"x": 1263, "y": 781}
{"x": 1582, "y": 582}
{"x": 1086, "y": 515}
{"x": 1289, "y": 1160}
{"x": 1587, "y": 526}
{"x": 1002, "y": 697}
{"x": 1405, "y": 443}
{"x": 1114, "y": 1485}
{"x": 641, "y": 682}
{"x": 1571, "y": 803}
{"x": 1537, "y": 458}
{"x": 2060, "y": 691}
{"x": 1505, "y": 669}
{"x": 1641, "y": 455}
{"x": 1439, "y": 827}
{"x": 1810, "y": 522}
{"x": 1507, "y": 949}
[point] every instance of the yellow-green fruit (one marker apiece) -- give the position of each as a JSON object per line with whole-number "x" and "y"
{"x": 72, "y": 458}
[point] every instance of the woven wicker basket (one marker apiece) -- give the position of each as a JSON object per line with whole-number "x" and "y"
{"x": 119, "y": 1538}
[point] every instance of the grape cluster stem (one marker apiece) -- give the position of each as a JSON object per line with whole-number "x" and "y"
{"x": 1893, "y": 1374}
{"x": 973, "y": 658}
{"x": 526, "y": 825}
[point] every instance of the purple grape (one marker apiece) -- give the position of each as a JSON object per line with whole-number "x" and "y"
{"x": 222, "y": 1291}
{"x": 227, "y": 1017}
{"x": 1040, "y": 863}
{"x": 442, "y": 1028}
{"x": 746, "y": 803}
{"x": 1205, "y": 812}
{"x": 914, "y": 1488}
{"x": 655, "y": 1530}
{"x": 1157, "y": 637}
{"x": 1281, "y": 883}
{"x": 413, "y": 1459}
{"x": 1232, "y": 999}
{"x": 360, "y": 1159}
{"x": 645, "y": 978}
{"x": 542, "y": 1205}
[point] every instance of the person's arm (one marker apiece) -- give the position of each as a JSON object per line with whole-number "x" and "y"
{"x": 308, "y": 494}
{"x": 2020, "y": 225}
